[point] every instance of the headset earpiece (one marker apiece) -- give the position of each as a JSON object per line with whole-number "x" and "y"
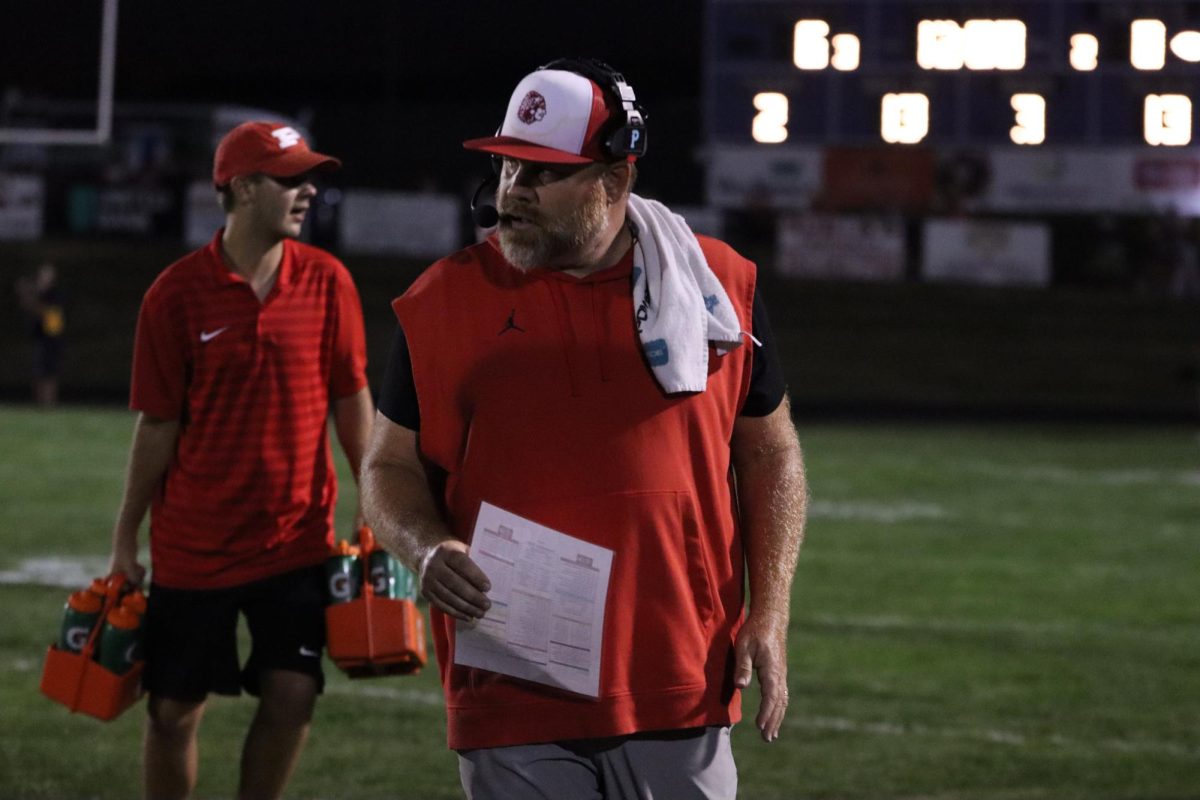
{"x": 627, "y": 136}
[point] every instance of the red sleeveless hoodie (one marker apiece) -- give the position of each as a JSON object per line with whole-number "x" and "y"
{"x": 534, "y": 396}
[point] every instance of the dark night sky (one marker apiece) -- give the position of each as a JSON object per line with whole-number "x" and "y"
{"x": 393, "y": 86}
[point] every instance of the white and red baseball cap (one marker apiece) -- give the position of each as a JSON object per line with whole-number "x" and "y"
{"x": 553, "y": 116}
{"x": 268, "y": 148}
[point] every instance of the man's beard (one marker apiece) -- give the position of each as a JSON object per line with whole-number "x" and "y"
{"x": 555, "y": 242}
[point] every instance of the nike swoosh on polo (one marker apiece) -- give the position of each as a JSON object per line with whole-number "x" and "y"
{"x": 206, "y": 336}
{"x": 304, "y": 651}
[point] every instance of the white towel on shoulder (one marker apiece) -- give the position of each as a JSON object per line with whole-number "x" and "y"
{"x": 679, "y": 305}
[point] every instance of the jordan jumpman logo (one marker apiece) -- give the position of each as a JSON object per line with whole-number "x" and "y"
{"x": 511, "y": 325}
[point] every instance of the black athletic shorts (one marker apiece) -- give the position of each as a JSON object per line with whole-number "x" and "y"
{"x": 191, "y": 635}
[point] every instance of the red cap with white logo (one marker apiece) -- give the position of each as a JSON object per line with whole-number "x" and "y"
{"x": 267, "y": 148}
{"x": 553, "y": 116}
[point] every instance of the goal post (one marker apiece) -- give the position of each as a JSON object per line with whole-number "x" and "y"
{"x": 102, "y": 132}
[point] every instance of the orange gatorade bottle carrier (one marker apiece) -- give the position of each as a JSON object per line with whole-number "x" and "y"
{"x": 74, "y": 677}
{"x": 372, "y": 634}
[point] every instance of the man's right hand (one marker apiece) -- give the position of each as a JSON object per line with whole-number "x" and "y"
{"x": 453, "y": 583}
{"x": 127, "y": 565}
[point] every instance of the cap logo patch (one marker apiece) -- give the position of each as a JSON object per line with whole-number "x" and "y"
{"x": 287, "y": 137}
{"x": 532, "y": 109}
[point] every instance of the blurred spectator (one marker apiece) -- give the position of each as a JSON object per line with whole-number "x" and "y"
{"x": 1185, "y": 273}
{"x": 1108, "y": 260}
{"x": 1170, "y": 254}
{"x": 42, "y": 300}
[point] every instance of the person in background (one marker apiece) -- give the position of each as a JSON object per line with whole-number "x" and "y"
{"x": 598, "y": 369}
{"x": 43, "y": 301}
{"x": 1185, "y": 277}
{"x": 242, "y": 350}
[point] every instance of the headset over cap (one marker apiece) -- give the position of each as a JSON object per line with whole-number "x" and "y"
{"x": 570, "y": 111}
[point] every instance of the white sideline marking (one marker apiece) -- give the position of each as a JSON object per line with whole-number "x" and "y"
{"x": 66, "y": 572}
{"x": 1004, "y": 565}
{"x": 896, "y": 622}
{"x": 1173, "y": 530}
{"x": 991, "y": 735}
{"x": 412, "y": 697}
{"x": 885, "y": 513}
{"x": 1058, "y": 629}
{"x": 1100, "y": 477}
{"x": 1007, "y": 566}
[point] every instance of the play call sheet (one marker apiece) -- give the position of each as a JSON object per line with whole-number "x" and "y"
{"x": 548, "y": 595}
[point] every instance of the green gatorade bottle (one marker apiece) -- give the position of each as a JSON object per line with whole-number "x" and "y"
{"x": 81, "y": 614}
{"x": 121, "y": 640}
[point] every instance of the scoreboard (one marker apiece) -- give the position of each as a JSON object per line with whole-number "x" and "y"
{"x": 1022, "y": 74}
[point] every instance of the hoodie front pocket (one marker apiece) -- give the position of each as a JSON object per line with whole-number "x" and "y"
{"x": 659, "y": 603}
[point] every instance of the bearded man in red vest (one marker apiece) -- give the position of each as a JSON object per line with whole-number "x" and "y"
{"x": 584, "y": 448}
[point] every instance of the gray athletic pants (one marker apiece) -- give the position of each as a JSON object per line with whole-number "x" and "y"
{"x": 693, "y": 764}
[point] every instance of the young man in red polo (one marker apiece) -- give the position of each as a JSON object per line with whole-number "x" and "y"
{"x": 242, "y": 349}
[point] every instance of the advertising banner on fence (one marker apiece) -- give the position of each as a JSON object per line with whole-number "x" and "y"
{"x": 399, "y": 223}
{"x": 987, "y": 252}
{"x": 133, "y": 210}
{"x": 763, "y": 177}
{"x": 1121, "y": 180}
{"x": 858, "y": 178}
{"x": 869, "y": 247}
{"x": 201, "y": 214}
{"x": 22, "y": 200}
{"x": 1117, "y": 180}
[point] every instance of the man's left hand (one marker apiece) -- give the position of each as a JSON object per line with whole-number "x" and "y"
{"x": 761, "y": 648}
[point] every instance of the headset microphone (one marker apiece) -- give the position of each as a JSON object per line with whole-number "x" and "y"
{"x": 485, "y": 214}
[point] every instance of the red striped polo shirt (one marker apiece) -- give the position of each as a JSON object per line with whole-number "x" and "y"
{"x": 251, "y": 489}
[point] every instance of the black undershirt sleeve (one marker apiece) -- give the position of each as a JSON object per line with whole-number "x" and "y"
{"x": 767, "y": 383}
{"x": 398, "y": 396}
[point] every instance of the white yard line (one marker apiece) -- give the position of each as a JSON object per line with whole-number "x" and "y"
{"x": 67, "y": 572}
{"x": 991, "y": 735}
{"x": 1016, "y": 567}
{"x": 885, "y": 513}
{"x": 1011, "y": 566}
{"x": 1057, "y": 628}
{"x": 1053, "y": 473}
{"x": 897, "y": 622}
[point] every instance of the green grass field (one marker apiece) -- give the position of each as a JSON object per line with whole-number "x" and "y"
{"x": 1001, "y": 611}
